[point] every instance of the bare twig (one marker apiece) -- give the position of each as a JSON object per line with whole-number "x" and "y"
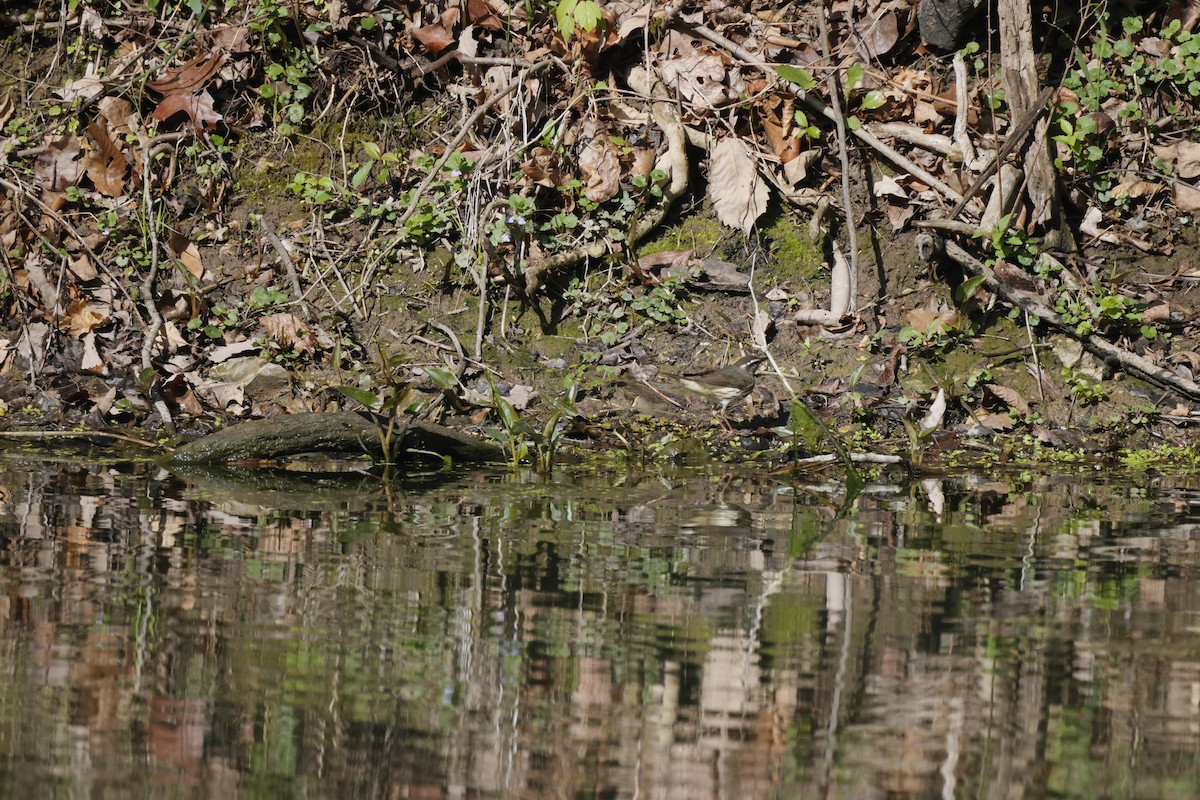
{"x": 1013, "y": 140}
{"x": 1034, "y": 305}
{"x": 466, "y": 129}
{"x": 285, "y": 256}
{"x": 149, "y": 303}
{"x": 121, "y": 437}
{"x": 961, "y": 139}
{"x": 839, "y": 121}
{"x": 458, "y": 348}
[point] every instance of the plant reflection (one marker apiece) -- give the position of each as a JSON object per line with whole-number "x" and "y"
{"x": 683, "y": 635}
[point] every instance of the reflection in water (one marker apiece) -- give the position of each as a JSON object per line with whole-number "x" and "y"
{"x": 594, "y": 635}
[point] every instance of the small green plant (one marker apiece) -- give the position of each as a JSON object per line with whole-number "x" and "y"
{"x": 1159, "y": 71}
{"x": 1183, "y": 458}
{"x": 1010, "y": 244}
{"x": 521, "y": 439}
{"x": 661, "y": 304}
{"x": 1084, "y": 391}
{"x": 571, "y": 14}
{"x": 377, "y": 160}
{"x": 395, "y": 401}
{"x": 313, "y": 190}
{"x": 220, "y": 320}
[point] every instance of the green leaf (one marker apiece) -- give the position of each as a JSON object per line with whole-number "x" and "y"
{"x": 564, "y": 16}
{"x": 368, "y": 399}
{"x": 443, "y": 378}
{"x": 853, "y": 123}
{"x": 873, "y": 99}
{"x": 508, "y": 413}
{"x": 360, "y": 175}
{"x": 588, "y": 15}
{"x": 372, "y": 150}
{"x": 801, "y": 77}
{"x": 966, "y": 290}
{"x": 854, "y": 76}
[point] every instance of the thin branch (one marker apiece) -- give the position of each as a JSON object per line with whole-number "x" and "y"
{"x": 1033, "y": 304}
{"x": 465, "y": 131}
{"x": 148, "y": 300}
{"x": 839, "y": 122}
{"x": 868, "y": 138}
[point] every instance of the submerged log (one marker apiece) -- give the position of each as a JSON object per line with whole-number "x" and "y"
{"x": 347, "y": 432}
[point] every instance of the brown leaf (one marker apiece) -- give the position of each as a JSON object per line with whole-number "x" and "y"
{"x": 545, "y": 168}
{"x": 188, "y": 254}
{"x": 996, "y": 422}
{"x": 673, "y": 263}
{"x": 926, "y": 114}
{"x": 877, "y": 36}
{"x": 1132, "y": 186}
{"x": 106, "y": 166}
{"x": 899, "y": 214}
{"x": 58, "y": 166}
{"x": 931, "y": 321}
{"x": 189, "y": 78}
{"x": 1010, "y": 397}
{"x": 83, "y": 317}
{"x": 600, "y": 165}
{"x": 796, "y": 170}
{"x": 1186, "y": 198}
{"x": 1160, "y": 312}
{"x": 480, "y": 14}
{"x": 738, "y": 192}
{"x": 83, "y": 268}
{"x": 290, "y": 331}
{"x": 677, "y": 259}
{"x": 723, "y": 275}
{"x": 698, "y": 77}
{"x": 1184, "y": 156}
{"x": 232, "y": 39}
{"x": 198, "y": 107}
{"x": 642, "y": 163}
{"x": 90, "y": 360}
{"x": 439, "y": 35}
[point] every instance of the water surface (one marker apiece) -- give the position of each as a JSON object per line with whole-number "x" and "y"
{"x": 694, "y": 634}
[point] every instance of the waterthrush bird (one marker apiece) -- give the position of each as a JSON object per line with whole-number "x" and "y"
{"x": 727, "y": 384}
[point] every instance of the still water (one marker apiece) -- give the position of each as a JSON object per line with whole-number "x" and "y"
{"x": 690, "y": 635}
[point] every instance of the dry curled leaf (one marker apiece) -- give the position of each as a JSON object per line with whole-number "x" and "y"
{"x": 1183, "y": 156}
{"x": 698, "y": 77}
{"x": 198, "y": 107}
{"x": 190, "y": 77}
{"x": 600, "y": 165}
{"x": 738, "y": 192}
{"x": 439, "y": 35}
{"x": 289, "y": 331}
{"x": 1010, "y": 397}
{"x": 106, "y": 165}
{"x": 545, "y": 168}
{"x": 1187, "y": 198}
{"x": 58, "y": 166}
{"x": 83, "y": 317}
